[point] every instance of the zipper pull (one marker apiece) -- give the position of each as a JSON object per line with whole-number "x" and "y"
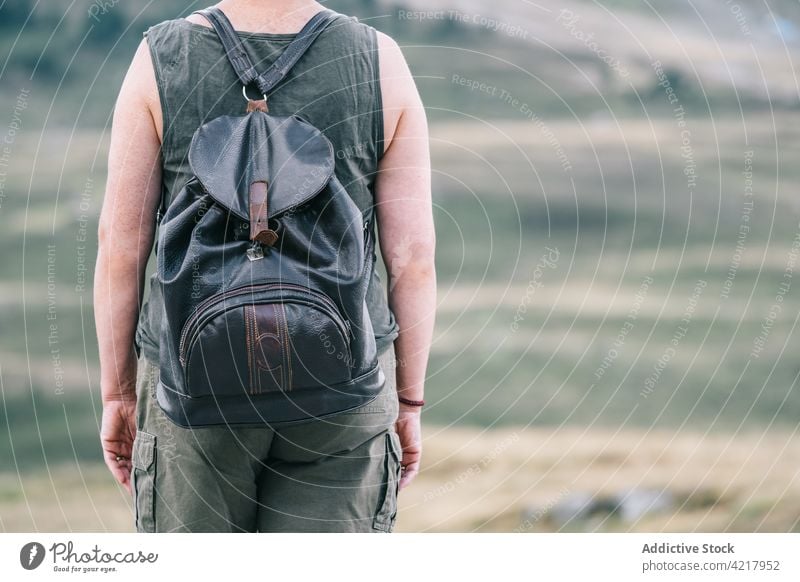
{"x": 255, "y": 252}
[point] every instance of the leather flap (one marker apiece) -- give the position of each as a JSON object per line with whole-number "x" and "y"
{"x": 229, "y": 153}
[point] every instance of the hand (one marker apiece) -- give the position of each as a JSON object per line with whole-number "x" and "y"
{"x": 408, "y": 429}
{"x": 117, "y": 432}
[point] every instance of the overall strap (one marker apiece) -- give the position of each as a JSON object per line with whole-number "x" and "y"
{"x": 240, "y": 60}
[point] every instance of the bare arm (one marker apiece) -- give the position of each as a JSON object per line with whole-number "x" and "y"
{"x": 407, "y": 237}
{"x": 125, "y": 236}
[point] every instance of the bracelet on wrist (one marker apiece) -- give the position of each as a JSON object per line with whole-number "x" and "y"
{"x": 409, "y": 402}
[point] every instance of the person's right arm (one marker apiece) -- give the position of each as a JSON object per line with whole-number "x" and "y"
{"x": 125, "y": 238}
{"x": 407, "y": 239}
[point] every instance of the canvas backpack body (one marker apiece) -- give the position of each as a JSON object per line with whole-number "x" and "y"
{"x": 263, "y": 261}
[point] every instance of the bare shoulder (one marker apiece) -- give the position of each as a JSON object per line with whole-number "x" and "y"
{"x": 139, "y": 90}
{"x": 398, "y": 89}
{"x": 197, "y": 19}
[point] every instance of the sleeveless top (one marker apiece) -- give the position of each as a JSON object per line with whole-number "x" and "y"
{"x": 335, "y": 86}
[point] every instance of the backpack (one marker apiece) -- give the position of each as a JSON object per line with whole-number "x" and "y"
{"x": 264, "y": 260}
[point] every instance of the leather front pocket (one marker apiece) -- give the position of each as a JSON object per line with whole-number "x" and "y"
{"x": 266, "y": 340}
{"x": 387, "y": 509}
{"x": 144, "y": 477}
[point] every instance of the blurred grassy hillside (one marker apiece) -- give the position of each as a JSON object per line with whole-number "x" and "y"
{"x": 606, "y": 261}
{"x": 562, "y": 59}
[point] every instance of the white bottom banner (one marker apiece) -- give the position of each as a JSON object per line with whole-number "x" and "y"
{"x": 406, "y": 557}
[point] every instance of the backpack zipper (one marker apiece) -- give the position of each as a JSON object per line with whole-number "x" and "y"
{"x": 329, "y": 306}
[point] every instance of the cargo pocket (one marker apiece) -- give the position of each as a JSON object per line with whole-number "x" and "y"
{"x": 387, "y": 508}
{"x": 144, "y": 475}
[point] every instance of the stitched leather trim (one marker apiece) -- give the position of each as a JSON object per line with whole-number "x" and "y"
{"x": 259, "y": 216}
{"x": 267, "y": 359}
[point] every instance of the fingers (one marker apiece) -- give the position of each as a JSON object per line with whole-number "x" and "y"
{"x": 120, "y": 468}
{"x": 125, "y": 480}
{"x": 412, "y": 452}
{"x": 410, "y": 465}
{"x": 409, "y": 472}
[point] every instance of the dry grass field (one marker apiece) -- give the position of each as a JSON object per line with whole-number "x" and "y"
{"x": 510, "y": 479}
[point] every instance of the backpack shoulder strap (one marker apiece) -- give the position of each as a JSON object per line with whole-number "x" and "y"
{"x": 240, "y": 60}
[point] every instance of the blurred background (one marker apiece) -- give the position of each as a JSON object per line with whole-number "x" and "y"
{"x": 616, "y": 202}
